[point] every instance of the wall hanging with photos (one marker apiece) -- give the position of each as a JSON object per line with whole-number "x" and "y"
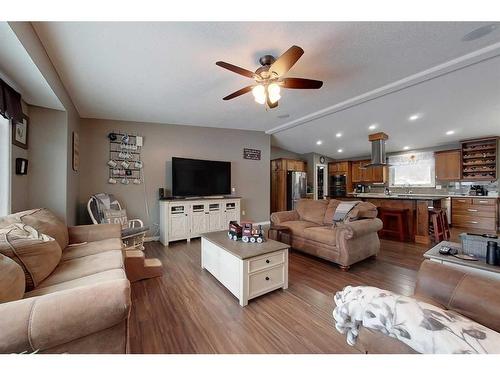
{"x": 125, "y": 164}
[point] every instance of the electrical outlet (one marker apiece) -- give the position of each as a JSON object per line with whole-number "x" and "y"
{"x": 438, "y": 187}
{"x": 233, "y": 190}
{"x": 243, "y": 213}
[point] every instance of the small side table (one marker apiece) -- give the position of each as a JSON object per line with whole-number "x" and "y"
{"x": 279, "y": 233}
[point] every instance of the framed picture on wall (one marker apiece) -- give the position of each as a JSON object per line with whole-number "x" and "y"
{"x": 20, "y": 132}
{"x": 76, "y": 151}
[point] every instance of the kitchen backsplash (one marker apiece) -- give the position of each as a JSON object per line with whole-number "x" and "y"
{"x": 446, "y": 188}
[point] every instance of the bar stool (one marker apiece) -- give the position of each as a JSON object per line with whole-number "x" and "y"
{"x": 400, "y": 216}
{"x": 438, "y": 225}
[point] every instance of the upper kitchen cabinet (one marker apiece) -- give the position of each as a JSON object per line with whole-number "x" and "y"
{"x": 372, "y": 175}
{"x": 479, "y": 159}
{"x": 339, "y": 167}
{"x": 448, "y": 165}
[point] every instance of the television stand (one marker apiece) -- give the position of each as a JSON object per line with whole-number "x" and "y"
{"x": 183, "y": 219}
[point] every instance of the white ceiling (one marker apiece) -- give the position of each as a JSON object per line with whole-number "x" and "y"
{"x": 19, "y": 71}
{"x": 165, "y": 72}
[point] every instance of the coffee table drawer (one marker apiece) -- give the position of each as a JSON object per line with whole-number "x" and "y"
{"x": 264, "y": 281}
{"x": 267, "y": 261}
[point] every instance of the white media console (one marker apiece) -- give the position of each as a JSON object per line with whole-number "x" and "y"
{"x": 183, "y": 219}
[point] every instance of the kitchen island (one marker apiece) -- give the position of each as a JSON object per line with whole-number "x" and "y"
{"x": 418, "y": 209}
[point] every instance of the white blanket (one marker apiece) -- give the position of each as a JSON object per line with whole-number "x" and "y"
{"x": 423, "y": 327}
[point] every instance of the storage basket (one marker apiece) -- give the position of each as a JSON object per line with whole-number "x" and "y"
{"x": 476, "y": 244}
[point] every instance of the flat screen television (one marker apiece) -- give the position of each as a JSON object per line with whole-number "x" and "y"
{"x": 200, "y": 178}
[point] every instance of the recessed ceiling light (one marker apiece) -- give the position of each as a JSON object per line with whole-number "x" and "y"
{"x": 406, "y": 148}
{"x": 450, "y": 132}
{"x": 479, "y": 32}
{"x": 414, "y": 117}
{"x": 338, "y": 135}
{"x": 372, "y": 127}
{"x": 340, "y": 150}
{"x": 319, "y": 142}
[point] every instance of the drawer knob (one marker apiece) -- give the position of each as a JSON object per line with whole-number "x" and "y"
{"x": 473, "y": 222}
{"x": 267, "y": 260}
{"x": 471, "y": 210}
{"x": 267, "y": 278}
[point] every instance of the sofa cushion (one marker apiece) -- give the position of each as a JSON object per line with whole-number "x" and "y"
{"x": 12, "y": 281}
{"x": 114, "y": 274}
{"x": 80, "y": 267}
{"x": 330, "y": 211}
{"x": 297, "y": 227}
{"x": 325, "y": 234}
{"x": 363, "y": 210}
{"x": 47, "y": 223}
{"x": 91, "y": 248}
{"x": 36, "y": 253}
{"x": 312, "y": 210}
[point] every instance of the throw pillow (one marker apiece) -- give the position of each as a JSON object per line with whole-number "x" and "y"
{"x": 116, "y": 217}
{"x": 36, "y": 253}
{"x": 46, "y": 222}
{"x": 12, "y": 283}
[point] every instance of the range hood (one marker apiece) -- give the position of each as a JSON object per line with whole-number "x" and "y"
{"x": 378, "y": 150}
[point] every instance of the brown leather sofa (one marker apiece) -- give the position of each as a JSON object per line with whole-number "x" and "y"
{"x": 67, "y": 293}
{"x": 311, "y": 231}
{"x": 476, "y": 297}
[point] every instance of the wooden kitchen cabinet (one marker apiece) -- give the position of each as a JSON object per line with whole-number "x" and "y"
{"x": 368, "y": 175}
{"x": 448, "y": 165}
{"x": 480, "y": 214}
{"x": 338, "y": 167}
{"x": 279, "y": 169}
{"x": 357, "y": 175}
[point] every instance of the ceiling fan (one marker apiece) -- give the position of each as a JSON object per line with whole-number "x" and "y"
{"x": 269, "y": 77}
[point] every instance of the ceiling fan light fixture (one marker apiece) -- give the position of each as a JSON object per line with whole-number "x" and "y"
{"x": 274, "y": 92}
{"x": 259, "y": 94}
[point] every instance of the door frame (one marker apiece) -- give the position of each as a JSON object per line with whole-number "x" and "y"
{"x": 325, "y": 180}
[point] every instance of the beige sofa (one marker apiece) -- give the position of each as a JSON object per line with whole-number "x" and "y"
{"x": 474, "y": 296}
{"x": 74, "y": 296}
{"x": 312, "y": 231}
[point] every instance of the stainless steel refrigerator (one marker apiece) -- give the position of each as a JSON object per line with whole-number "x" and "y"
{"x": 296, "y": 187}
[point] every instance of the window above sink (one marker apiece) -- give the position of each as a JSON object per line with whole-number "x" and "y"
{"x": 413, "y": 169}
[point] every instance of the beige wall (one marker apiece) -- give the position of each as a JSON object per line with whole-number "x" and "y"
{"x": 277, "y": 153}
{"x": 161, "y": 143}
{"x": 47, "y": 160}
{"x": 19, "y": 183}
{"x": 30, "y": 41}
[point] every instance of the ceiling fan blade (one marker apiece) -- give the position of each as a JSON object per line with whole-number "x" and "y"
{"x": 242, "y": 91}
{"x": 271, "y": 104}
{"x": 285, "y": 62}
{"x": 301, "y": 83}
{"x": 236, "y": 69}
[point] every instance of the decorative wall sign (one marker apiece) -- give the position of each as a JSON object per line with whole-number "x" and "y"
{"x": 125, "y": 164}
{"x": 251, "y": 154}
{"x": 76, "y": 151}
{"x": 20, "y": 132}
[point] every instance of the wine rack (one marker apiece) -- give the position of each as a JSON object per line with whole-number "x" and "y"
{"x": 479, "y": 159}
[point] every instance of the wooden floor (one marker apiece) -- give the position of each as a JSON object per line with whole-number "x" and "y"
{"x": 188, "y": 311}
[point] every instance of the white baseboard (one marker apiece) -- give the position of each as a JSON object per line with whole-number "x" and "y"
{"x": 149, "y": 239}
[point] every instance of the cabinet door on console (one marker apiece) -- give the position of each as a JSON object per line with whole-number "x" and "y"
{"x": 214, "y": 216}
{"x": 199, "y": 219}
{"x": 232, "y": 213}
{"x": 178, "y": 222}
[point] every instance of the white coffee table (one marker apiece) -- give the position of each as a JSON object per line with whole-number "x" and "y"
{"x": 247, "y": 270}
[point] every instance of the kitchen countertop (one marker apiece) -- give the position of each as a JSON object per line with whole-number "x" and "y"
{"x": 417, "y": 196}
